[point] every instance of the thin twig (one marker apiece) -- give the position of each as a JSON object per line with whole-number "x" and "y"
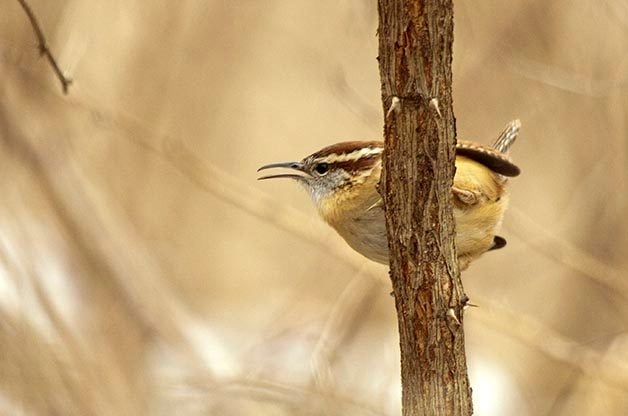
{"x": 278, "y": 392}
{"x": 42, "y": 46}
{"x": 346, "y": 315}
{"x": 566, "y": 253}
{"x": 612, "y": 371}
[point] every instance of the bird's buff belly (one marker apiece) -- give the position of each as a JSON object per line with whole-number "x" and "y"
{"x": 367, "y": 235}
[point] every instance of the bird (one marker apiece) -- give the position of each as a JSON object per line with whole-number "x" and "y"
{"x": 342, "y": 180}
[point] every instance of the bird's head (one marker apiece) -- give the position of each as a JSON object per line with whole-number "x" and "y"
{"x": 336, "y": 168}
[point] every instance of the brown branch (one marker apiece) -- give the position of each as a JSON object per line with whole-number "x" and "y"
{"x": 415, "y": 53}
{"x": 42, "y": 46}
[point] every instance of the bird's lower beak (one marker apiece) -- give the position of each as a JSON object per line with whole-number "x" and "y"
{"x": 286, "y": 165}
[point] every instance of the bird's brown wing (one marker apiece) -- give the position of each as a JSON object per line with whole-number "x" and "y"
{"x": 489, "y": 157}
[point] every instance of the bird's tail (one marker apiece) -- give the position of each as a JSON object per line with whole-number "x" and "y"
{"x": 508, "y": 136}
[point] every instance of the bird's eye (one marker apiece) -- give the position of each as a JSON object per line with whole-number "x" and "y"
{"x": 321, "y": 168}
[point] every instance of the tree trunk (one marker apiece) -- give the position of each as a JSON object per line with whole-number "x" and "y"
{"x": 415, "y": 53}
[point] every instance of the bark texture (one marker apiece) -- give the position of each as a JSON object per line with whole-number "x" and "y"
{"x": 415, "y": 54}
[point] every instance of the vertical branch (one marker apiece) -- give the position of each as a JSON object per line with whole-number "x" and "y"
{"x": 415, "y": 53}
{"x": 42, "y": 46}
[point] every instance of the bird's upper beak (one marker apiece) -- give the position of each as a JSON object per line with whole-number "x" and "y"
{"x": 298, "y": 166}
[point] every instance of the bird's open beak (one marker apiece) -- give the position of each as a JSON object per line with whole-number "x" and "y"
{"x": 286, "y": 165}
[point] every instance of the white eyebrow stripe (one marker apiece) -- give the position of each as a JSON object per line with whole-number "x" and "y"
{"x": 355, "y": 155}
{"x": 363, "y": 175}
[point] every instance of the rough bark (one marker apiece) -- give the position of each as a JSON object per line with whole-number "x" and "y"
{"x": 415, "y": 54}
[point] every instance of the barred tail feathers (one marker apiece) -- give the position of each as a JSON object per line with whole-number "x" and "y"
{"x": 508, "y": 136}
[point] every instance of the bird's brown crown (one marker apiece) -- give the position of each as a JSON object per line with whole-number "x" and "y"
{"x": 351, "y": 156}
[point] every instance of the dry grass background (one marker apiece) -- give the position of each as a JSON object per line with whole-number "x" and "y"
{"x": 143, "y": 270}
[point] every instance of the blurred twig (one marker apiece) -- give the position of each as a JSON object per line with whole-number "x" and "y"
{"x": 567, "y": 253}
{"x": 107, "y": 244}
{"x": 534, "y": 334}
{"x": 232, "y": 190}
{"x": 555, "y": 76}
{"x": 262, "y": 390}
{"x": 351, "y": 99}
{"x": 42, "y": 46}
{"x": 77, "y": 371}
{"x": 345, "y": 317}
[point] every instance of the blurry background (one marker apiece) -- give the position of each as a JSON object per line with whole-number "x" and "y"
{"x": 143, "y": 270}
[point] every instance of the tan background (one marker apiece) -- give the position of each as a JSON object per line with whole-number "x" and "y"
{"x": 145, "y": 271}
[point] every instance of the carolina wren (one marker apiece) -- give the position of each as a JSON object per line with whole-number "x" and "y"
{"x": 342, "y": 180}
